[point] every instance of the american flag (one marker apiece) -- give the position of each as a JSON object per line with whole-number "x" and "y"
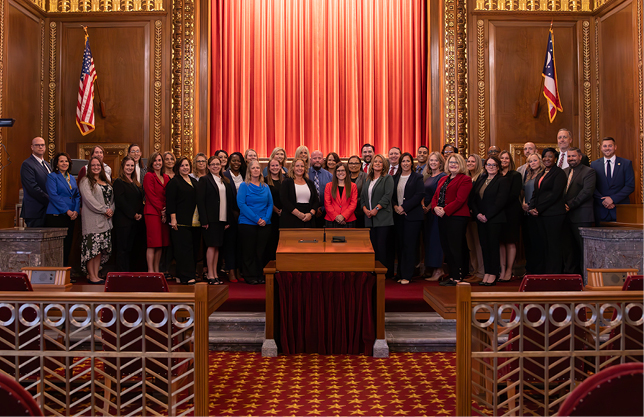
{"x": 550, "y": 88}
{"x": 85, "y": 105}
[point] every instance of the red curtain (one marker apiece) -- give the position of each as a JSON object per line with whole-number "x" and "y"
{"x": 328, "y": 74}
{"x": 325, "y": 312}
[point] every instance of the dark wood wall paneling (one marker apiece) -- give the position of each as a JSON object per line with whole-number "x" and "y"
{"x": 618, "y": 92}
{"x": 22, "y": 94}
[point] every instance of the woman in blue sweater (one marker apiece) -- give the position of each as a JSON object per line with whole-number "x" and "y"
{"x": 255, "y": 209}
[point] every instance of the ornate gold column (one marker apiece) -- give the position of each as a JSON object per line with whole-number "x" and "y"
{"x": 455, "y": 36}
{"x": 51, "y": 131}
{"x": 183, "y": 77}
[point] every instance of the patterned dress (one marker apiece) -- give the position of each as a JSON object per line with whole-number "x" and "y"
{"x": 94, "y": 244}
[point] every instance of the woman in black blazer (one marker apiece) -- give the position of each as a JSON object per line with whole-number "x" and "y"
{"x": 216, "y": 203}
{"x": 513, "y": 213}
{"x": 181, "y": 206}
{"x": 409, "y": 191}
{"x": 274, "y": 178}
{"x": 299, "y": 198}
{"x": 488, "y": 199}
{"x": 548, "y": 206}
{"x": 129, "y": 226}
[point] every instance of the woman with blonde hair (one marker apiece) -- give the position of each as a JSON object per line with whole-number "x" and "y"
{"x": 302, "y": 152}
{"x": 299, "y": 198}
{"x": 279, "y": 154}
{"x": 474, "y": 166}
{"x": 168, "y": 164}
{"x": 432, "y": 174}
{"x": 531, "y": 237}
{"x": 474, "y": 169}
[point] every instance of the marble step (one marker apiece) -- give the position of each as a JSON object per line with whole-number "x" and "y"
{"x": 405, "y": 332}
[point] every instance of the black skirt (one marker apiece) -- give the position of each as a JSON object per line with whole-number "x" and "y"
{"x": 214, "y": 235}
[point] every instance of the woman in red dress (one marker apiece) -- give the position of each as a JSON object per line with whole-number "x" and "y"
{"x": 158, "y": 234}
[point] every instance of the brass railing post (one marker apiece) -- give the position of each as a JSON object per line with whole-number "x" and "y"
{"x": 201, "y": 349}
{"x": 463, "y": 349}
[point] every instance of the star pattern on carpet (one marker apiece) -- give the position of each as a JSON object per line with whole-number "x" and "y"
{"x": 405, "y": 384}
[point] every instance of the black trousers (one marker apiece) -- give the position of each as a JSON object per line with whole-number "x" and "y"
{"x": 489, "y": 237}
{"x": 381, "y": 239}
{"x": 37, "y": 222}
{"x": 128, "y": 241}
{"x": 63, "y": 220}
{"x": 273, "y": 239}
{"x": 452, "y": 231}
{"x": 185, "y": 243}
{"x": 532, "y": 244}
{"x": 573, "y": 261}
{"x": 253, "y": 244}
{"x": 551, "y": 236}
{"x": 408, "y": 234}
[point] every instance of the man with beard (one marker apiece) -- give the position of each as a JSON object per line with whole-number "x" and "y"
{"x": 368, "y": 151}
{"x": 320, "y": 177}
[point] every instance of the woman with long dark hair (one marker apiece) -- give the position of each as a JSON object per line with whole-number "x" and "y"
{"x": 64, "y": 200}
{"x": 223, "y": 158}
{"x": 511, "y": 231}
{"x": 340, "y": 199}
{"x": 181, "y": 203}
{"x": 128, "y": 215}
{"x": 408, "y": 195}
{"x": 274, "y": 180}
{"x": 474, "y": 170}
{"x": 216, "y": 204}
{"x": 168, "y": 164}
{"x": 134, "y": 152}
{"x": 158, "y": 234}
{"x": 357, "y": 176}
{"x": 98, "y": 208}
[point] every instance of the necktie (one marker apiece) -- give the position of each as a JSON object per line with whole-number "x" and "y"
{"x": 609, "y": 174}
{"x": 366, "y": 168}
{"x": 391, "y": 171}
{"x": 44, "y": 165}
{"x": 561, "y": 158}
{"x": 316, "y": 181}
{"x": 569, "y": 179}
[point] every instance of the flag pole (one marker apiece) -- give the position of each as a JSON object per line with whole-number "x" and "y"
{"x": 101, "y": 103}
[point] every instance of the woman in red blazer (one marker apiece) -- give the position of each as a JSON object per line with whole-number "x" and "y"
{"x": 450, "y": 205}
{"x": 158, "y": 234}
{"x": 340, "y": 199}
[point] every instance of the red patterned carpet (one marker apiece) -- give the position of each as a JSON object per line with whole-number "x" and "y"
{"x": 405, "y": 384}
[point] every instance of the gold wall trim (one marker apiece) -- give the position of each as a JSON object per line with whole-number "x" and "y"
{"x": 42, "y": 78}
{"x": 640, "y": 65}
{"x": 597, "y": 130}
{"x": 450, "y": 71}
{"x": 461, "y": 76}
{"x": 183, "y": 77}
{"x": 100, "y": 6}
{"x": 2, "y": 156}
{"x": 51, "y": 133}
{"x": 566, "y": 6}
{"x": 480, "y": 72}
{"x": 158, "y": 31}
{"x": 588, "y": 126}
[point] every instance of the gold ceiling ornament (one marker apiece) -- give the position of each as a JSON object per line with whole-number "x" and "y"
{"x": 51, "y": 133}
{"x": 480, "y": 71}
{"x": 100, "y": 6}
{"x": 566, "y": 6}
{"x": 158, "y": 107}
{"x": 588, "y": 127}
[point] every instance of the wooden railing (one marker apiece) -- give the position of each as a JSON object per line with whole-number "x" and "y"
{"x": 142, "y": 352}
{"x": 533, "y": 348}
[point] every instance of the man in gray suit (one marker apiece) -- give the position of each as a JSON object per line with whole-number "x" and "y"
{"x": 578, "y": 196}
{"x": 528, "y": 149}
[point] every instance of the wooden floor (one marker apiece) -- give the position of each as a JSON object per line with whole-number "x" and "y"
{"x": 443, "y": 299}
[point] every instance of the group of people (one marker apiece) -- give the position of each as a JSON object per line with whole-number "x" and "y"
{"x": 228, "y": 212}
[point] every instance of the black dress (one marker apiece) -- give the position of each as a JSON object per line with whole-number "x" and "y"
{"x": 273, "y": 240}
{"x": 208, "y": 203}
{"x": 129, "y": 234}
{"x": 513, "y": 210}
{"x": 289, "y": 203}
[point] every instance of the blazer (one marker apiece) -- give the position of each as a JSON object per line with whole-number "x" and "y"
{"x": 289, "y": 199}
{"x": 94, "y": 208}
{"x": 579, "y": 195}
{"x": 584, "y": 159}
{"x": 344, "y": 204}
{"x": 412, "y": 196}
{"x": 181, "y": 199}
{"x": 456, "y": 195}
{"x": 382, "y": 194}
{"x": 548, "y": 198}
{"x": 155, "y": 200}
{"x": 622, "y": 184}
{"x": 128, "y": 199}
{"x": 208, "y": 201}
{"x": 325, "y": 177}
{"x": 495, "y": 197}
{"x": 61, "y": 197}
{"x": 34, "y": 186}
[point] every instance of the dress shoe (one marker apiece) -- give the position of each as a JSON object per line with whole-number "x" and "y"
{"x": 473, "y": 279}
{"x": 451, "y": 282}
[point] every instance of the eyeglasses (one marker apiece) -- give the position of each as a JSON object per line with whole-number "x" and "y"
{"x": 40, "y": 145}
{"x": 491, "y": 165}
{"x": 354, "y": 163}
{"x": 135, "y": 151}
{"x": 201, "y": 162}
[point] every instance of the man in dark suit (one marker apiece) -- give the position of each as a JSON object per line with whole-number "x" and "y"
{"x": 615, "y": 182}
{"x": 578, "y": 197}
{"x": 33, "y": 175}
{"x": 394, "y": 161}
{"x": 564, "y": 141}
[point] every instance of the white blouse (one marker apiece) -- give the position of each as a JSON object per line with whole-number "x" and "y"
{"x": 223, "y": 215}
{"x": 371, "y": 185}
{"x": 237, "y": 180}
{"x": 302, "y": 193}
{"x": 400, "y": 191}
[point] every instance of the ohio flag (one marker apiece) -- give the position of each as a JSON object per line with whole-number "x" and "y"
{"x": 550, "y": 89}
